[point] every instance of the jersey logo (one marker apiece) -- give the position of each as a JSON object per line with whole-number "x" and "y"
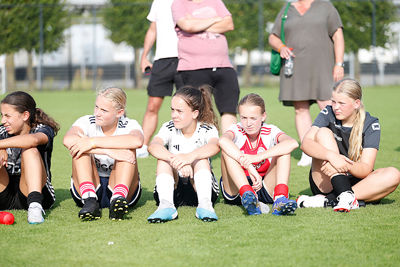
{"x": 170, "y": 125}
{"x": 338, "y": 138}
{"x": 376, "y": 126}
{"x": 92, "y": 120}
{"x": 122, "y": 124}
{"x": 324, "y": 111}
{"x": 176, "y": 147}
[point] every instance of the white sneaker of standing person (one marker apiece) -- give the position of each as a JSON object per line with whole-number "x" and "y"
{"x": 317, "y": 201}
{"x": 142, "y": 152}
{"x": 305, "y": 160}
{"x": 347, "y": 201}
{"x": 35, "y": 213}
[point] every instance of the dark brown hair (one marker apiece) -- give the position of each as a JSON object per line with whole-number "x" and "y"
{"x": 199, "y": 99}
{"x": 24, "y": 102}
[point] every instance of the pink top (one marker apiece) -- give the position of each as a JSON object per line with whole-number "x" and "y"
{"x": 204, "y": 49}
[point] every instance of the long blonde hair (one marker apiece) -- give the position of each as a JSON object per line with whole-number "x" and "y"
{"x": 352, "y": 89}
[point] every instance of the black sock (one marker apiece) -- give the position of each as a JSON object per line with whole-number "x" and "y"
{"x": 341, "y": 183}
{"x": 35, "y": 196}
{"x": 332, "y": 201}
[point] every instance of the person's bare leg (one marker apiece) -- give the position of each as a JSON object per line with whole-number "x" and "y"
{"x": 303, "y": 124}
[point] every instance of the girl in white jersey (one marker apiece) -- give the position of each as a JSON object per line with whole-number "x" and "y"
{"x": 183, "y": 147}
{"x": 104, "y": 167}
{"x": 26, "y": 145}
{"x": 344, "y": 142}
{"x": 256, "y": 161}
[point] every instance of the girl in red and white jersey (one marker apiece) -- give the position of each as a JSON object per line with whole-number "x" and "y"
{"x": 256, "y": 161}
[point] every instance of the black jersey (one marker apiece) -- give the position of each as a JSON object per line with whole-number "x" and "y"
{"x": 14, "y": 153}
{"x": 370, "y": 136}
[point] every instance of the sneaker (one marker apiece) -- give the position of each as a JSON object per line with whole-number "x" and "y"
{"x": 305, "y": 160}
{"x": 142, "y": 152}
{"x": 90, "y": 210}
{"x": 347, "y": 201}
{"x": 163, "y": 215}
{"x": 118, "y": 208}
{"x": 250, "y": 203}
{"x": 284, "y": 206}
{"x": 206, "y": 215}
{"x": 317, "y": 201}
{"x": 35, "y": 213}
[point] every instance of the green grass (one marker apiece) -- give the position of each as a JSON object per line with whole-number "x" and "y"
{"x": 312, "y": 237}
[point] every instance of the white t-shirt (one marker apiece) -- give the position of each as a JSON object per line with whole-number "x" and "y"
{"x": 88, "y": 125}
{"x": 167, "y": 41}
{"x": 177, "y": 143}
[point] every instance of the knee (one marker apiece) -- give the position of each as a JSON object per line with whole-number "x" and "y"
{"x": 323, "y": 134}
{"x": 394, "y": 175}
{"x": 30, "y": 152}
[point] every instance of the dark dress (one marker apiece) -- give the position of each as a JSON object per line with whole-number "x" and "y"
{"x": 310, "y": 36}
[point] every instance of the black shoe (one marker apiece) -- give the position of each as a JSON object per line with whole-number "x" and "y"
{"x": 90, "y": 210}
{"x": 118, "y": 208}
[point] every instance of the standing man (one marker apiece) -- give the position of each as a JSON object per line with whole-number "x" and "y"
{"x": 163, "y": 71}
{"x": 203, "y": 52}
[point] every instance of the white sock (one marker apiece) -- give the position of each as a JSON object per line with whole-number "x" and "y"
{"x": 165, "y": 189}
{"x": 203, "y": 182}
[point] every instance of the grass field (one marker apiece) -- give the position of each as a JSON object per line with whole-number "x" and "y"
{"x": 312, "y": 237}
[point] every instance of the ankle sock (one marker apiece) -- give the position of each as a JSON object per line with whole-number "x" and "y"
{"x": 281, "y": 190}
{"x": 340, "y": 184}
{"x": 246, "y": 188}
{"x": 35, "y": 196}
{"x": 120, "y": 190}
{"x": 87, "y": 190}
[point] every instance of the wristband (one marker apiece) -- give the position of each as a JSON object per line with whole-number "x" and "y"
{"x": 282, "y": 46}
{"x": 340, "y": 64}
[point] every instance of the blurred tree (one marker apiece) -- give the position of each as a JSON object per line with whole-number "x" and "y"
{"x": 127, "y": 23}
{"x": 357, "y": 23}
{"x": 247, "y": 33}
{"x": 20, "y": 28}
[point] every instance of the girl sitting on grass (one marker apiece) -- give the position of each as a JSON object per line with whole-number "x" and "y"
{"x": 104, "y": 168}
{"x": 26, "y": 144}
{"x": 344, "y": 142}
{"x": 183, "y": 147}
{"x": 256, "y": 161}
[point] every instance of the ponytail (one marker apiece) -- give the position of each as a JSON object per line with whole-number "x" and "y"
{"x": 352, "y": 89}
{"x": 199, "y": 99}
{"x": 42, "y": 118}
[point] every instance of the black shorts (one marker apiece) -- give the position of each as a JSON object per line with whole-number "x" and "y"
{"x": 13, "y": 198}
{"x": 185, "y": 195}
{"x": 104, "y": 193}
{"x": 224, "y": 83}
{"x": 315, "y": 190}
{"x": 163, "y": 77}
{"x": 262, "y": 195}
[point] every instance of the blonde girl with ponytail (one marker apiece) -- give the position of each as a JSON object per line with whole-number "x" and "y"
{"x": 344, "y": 142}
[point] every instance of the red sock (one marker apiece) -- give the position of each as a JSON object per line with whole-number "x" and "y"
{"x": 87, "y": 190}
{"x": 245, "y": 188}
{"x": 120, "y": 190}
{"x": 281, "y": 190}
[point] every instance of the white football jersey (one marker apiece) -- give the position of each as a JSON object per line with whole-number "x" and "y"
{"x": 88, "y": 125}
{"x": 177, "y": 143}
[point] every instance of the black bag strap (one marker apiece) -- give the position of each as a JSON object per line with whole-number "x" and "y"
{"x": 284, "y": 17}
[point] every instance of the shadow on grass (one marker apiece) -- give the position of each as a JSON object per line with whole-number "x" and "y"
{"x": 297, "y": 153}
{"x": 398, "y": 149}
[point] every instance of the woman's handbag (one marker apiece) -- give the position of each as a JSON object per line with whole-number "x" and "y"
{"x": 276, "y": 60}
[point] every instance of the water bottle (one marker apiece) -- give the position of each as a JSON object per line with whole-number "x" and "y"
{"x": 289, "y": 65}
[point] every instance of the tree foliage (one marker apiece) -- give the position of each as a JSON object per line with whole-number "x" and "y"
{"x": 245, "y": 15}
{"x": 19, "y": 20}
{"x": 357, "y": 22}
{"x": 127, "y": 21}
